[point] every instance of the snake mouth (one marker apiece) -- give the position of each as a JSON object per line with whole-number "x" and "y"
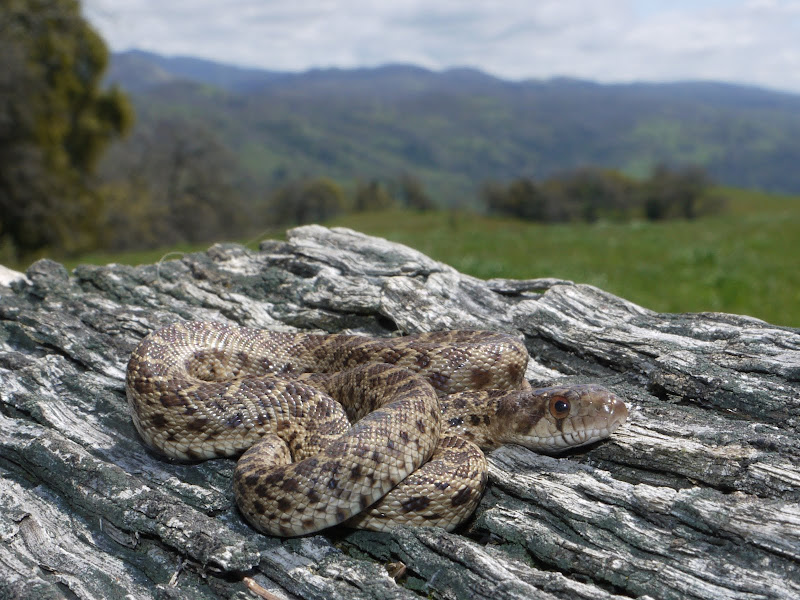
{"x": 584, "y": 438}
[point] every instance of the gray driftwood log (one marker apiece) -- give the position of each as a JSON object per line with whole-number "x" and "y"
{"x": 698, "y": 496}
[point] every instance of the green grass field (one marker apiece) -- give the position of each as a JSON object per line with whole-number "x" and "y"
{"x": 746, "y": 262}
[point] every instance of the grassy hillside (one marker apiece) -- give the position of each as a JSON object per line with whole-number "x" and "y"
{"x": 745, "y": 262}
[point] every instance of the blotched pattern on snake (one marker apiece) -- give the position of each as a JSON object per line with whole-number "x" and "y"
{"x": 344, "y": 428}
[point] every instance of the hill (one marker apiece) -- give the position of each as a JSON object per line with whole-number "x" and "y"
{"x": 457, "y": 128}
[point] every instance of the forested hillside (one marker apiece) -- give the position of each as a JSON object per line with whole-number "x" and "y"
{"x": 458, "y": 128}
{"x": 162, "y": 151}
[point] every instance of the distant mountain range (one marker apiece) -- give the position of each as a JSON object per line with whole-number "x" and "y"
{"x": 457, "y": 128}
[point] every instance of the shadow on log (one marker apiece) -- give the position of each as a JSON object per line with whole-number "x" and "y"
{"x": 698, "y": 496}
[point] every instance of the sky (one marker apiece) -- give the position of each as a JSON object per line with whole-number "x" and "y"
{"x": 739, "y": 41}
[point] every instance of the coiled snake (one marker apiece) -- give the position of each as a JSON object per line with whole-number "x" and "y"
{"x": 419, "y": 406}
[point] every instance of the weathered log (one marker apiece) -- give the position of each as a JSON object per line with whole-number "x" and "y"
{"x": 698, "y": 496}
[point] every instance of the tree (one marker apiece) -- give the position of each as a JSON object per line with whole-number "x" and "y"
{"x": 677, "y": 193}
{"x": 56, "y": 122}
{"x": 413, "y": 193}
{"x": 522, "y": 198}
{"x": 372, "y": 196}
{"x": 589, "y": 193}
{"x": 307, "y": 201}
{"x": 185, "y": 181}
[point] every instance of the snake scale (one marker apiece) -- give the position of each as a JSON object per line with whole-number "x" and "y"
{"x": 348, "y": 429}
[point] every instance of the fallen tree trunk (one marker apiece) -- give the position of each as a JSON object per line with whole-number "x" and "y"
{"x": 698, "y": 496}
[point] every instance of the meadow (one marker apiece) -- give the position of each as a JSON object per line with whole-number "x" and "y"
{"x": 746, "y": 261}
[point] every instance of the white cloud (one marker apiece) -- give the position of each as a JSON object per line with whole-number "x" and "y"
{"x": 748, "y": 41}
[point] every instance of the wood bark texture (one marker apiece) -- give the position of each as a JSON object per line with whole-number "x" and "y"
{"x": 697, "y": 496}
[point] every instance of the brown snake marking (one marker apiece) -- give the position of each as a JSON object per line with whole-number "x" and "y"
{"x": 420, "y": 408}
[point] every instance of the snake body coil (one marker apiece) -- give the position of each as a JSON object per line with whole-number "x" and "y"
{"x": 343, "y": 428}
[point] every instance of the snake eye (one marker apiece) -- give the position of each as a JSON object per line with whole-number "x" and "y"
{"x": 559, "y": 407}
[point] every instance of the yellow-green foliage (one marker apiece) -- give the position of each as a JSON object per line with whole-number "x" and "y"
{"x": 56, "y": 121}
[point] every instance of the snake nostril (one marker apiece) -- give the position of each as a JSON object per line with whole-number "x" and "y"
{"x": 619, "y": 412}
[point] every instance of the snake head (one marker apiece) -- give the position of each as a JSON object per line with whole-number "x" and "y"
{"x": 559, "y": 418}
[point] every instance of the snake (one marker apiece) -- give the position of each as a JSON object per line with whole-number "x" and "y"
{"x": 348, "y": 429}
